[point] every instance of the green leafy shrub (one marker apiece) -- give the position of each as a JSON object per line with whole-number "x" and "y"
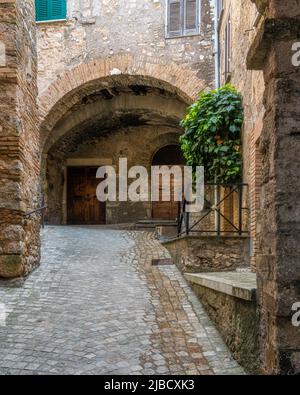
{"x": 212, "y": 135}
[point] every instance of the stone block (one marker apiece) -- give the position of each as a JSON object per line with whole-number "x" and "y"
{"x": 196, "y": 254}
{"x": 11, "y": 266}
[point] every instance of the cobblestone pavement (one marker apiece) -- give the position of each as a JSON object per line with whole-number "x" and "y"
{"x": 97, "y": 306}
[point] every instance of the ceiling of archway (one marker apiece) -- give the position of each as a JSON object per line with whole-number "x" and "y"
{"x": 108, "y": 110}
{"x": 96, "y": 128}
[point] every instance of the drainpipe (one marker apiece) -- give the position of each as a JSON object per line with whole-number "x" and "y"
{"x": 216, "y": 44}
{"x": 217, "y": 85}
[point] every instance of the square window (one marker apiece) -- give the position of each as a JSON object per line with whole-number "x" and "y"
{"x": 183, "y": 18}
{"x": 50, "y": 10}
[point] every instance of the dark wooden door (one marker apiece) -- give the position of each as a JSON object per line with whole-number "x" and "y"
{"x": 165, "y": 210}
{"x": 169, "y": 155}
{"x": 83, "y": 205}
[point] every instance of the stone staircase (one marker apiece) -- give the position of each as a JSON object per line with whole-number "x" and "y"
{"x": 152, "y": 224}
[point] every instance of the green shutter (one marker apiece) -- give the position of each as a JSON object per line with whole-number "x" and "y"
{"x": 49, "y": 10}
{"x": 42, "y": 10}
{"x": 58, "y": 9}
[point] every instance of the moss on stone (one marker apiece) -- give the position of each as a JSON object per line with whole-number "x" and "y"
{"x": 11, "y": 266}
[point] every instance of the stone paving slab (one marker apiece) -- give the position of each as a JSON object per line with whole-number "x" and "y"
{"x": 242, "y": 285}
{"x": 96, "y": 305}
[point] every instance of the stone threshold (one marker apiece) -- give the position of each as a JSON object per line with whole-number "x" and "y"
{"x": 240, "y": 285}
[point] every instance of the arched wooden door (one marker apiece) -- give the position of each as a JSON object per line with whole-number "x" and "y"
{"x": 169, "y": 155}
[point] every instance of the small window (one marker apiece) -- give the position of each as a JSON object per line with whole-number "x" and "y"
{"x": 50, "y": 10}
{"x": 227, "y": 49}
{"x": 183, "y": 17}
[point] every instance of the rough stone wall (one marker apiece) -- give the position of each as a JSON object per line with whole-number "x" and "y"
{"x": 122, "y": 143}
{"x": 250, "y": 83}
{"x": 197, "y": 254}
{"x": 19, "y": 142}
{"x": 103, "y": 28}
{"x": 238, "y": 323}
{"x": 278, "y": 261}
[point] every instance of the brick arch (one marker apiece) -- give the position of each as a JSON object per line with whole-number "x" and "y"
{"x": 159, "y": 142}
{"x": 122, "y": 70}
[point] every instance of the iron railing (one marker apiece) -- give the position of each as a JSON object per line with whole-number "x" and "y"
{"x": 232, "y": 221}
{"x": 41, "y": 209}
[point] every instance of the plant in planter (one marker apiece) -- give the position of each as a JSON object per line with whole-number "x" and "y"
{"x": 212, "y": 135}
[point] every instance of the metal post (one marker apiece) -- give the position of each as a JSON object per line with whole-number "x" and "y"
{"x": 43, "y": 212}
{"x": 218, "y": 218}
{"x": 240, "y": 210}
{"x": 43, "y": 218}
{"x": 179, "y": 219}
{"x": 187, "y": 223}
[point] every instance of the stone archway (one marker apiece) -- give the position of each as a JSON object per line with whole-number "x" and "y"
{"x": 96, "y": 99}
{"x": 121, "y": 70}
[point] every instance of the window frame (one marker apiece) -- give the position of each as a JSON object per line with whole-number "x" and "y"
{"x": 220, "y": 9}
{"x": 219, "y": 14}
{"x": 183, "y": 32}
{"x": 52, "y": 20}
{"x": 228, "y": 48}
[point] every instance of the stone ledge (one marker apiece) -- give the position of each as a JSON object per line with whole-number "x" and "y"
{"x": 241, "y": 285}
{"x": 269, "y": 31}
{"x": 207, "y": 236}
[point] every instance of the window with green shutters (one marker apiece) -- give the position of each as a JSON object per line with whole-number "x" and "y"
{"x": 50, "y": 10}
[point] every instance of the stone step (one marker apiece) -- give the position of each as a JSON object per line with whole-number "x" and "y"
{"x": 240, "y": 284}
{"x": 153, "y": 223}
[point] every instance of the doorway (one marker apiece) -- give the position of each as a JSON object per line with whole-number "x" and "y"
{"x": 83, "y": 207}
{"x": 169, "y": 155}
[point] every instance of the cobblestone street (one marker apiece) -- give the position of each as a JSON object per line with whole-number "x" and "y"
{"x": 97, "y": 306}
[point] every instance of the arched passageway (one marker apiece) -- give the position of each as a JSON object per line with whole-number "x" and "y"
{"x": 168, "y": 155}
{"x": 98, "y": 121}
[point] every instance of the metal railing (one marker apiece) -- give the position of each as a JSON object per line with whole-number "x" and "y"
{"x": 41, "y": 209}
{"x": 225, "y": 221}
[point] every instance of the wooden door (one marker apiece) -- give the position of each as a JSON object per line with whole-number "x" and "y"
{"x": 83, "y": 205}
{"x": 165, "y": 210}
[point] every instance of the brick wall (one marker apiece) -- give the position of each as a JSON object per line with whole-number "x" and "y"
{"x": 19, "y": 142}
{"x": 243, "y": 15}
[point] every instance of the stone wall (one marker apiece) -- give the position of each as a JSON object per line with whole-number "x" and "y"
{"x": 278, "y": 258}
{"x": 250, "y": 83}
{"x": 196, "y": 254}
{"x": 104, "y": 28}
{"x": 19, "y": 141}
{"x": 238, "y": 323}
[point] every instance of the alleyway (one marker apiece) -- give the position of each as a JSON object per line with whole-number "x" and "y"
{"x": 96, "y": 306}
